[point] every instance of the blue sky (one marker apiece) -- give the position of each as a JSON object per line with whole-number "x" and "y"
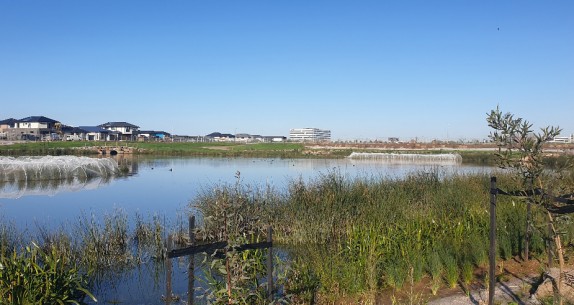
{"x": 363, "y": 69}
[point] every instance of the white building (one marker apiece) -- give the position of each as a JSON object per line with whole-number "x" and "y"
{"x": 569, "y": 139}
{"x": 309, "y": 134}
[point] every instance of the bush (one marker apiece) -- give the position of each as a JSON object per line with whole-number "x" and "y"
{"x": 38, "y": 277}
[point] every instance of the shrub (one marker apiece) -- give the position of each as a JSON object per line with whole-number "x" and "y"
{"x": 38, "y": 277}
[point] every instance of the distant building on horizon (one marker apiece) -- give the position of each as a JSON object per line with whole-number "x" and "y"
{"x": 309, "y": 134}
{"x": 563, "y": 139}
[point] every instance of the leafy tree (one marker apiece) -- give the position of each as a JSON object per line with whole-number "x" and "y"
{"x": 521, "y": 150}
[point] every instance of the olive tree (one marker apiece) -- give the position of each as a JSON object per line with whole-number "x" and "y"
{"x": 520, "y": 149}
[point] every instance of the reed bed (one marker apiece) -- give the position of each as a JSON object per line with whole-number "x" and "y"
{"x": 356, "y": 236}
{"x": 92, "y": 250}
{"x": 361, "y": 235}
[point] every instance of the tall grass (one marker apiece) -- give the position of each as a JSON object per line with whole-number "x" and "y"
{"x": 362, "y": 234}
{"x": 376, "y": 229}
{"x": 69, "y": 260}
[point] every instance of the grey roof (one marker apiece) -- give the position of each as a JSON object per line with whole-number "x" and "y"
{"x": 118, "y": 124}
{"x": 219, "y": 135}
{"x": 154, "y": 132}
{"x": 9, "y": 121}
{"x": 41, "y": 119}
{"x": 71, "y": 129}
{"x": 95, "y": 129}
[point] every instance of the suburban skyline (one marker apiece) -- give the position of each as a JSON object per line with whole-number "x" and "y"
{"x": 364, "y": 70}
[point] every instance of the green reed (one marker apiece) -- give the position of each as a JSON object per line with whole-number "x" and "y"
{"x": 75, "y": 256}
{"x": 36, "y": 276}
{"x": 376, "y": 229}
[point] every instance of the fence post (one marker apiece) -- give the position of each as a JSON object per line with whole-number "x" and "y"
{"x": 528, "y": 229}
{"x": 191, "y": 266}
{"x": 492, "y": 254}
{"x": 168, "y": 272}
{"x": 270, "y": 264}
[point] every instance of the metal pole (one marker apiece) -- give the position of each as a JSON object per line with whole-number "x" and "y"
{"x": 191, "y": 266}
{"x": 270, "y": 264}
{"x": 492, "y": 257}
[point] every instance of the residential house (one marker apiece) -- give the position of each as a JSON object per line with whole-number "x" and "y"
{"x": 220, "y": 137}
{"x": 184, "y": 138}
{"x": 125, "y": 131}
{"x": 4, "y": 126}
{"x": 31, "y": 128}
{"x": 152, "y": 135}
{"x": 70, "y": 133}
{"x": 97, "y": 133}
{"x": 244, "y": 137}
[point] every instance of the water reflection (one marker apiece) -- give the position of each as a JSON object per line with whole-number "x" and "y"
{"x": 21, "y": 188}
{"x": 51, "y": 175}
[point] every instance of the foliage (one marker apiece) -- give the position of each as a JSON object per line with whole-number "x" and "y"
{"x": 234, "y": 215}
{"x": 519, "y": 148}
{"x": 522, "y": 150}
{"x": 39, "y": 277}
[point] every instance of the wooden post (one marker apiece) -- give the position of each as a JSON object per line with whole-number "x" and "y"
{"x": 270, "y": 265}
{"x": 168, "y": 272}
{"x": 492, "y": 254}
{"x": 528, "y": 228}
{"x": 549, "y": 244}
{"x": 191, "y": 266}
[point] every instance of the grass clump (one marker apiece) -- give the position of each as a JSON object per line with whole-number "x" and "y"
{"x": 35, "y": 276}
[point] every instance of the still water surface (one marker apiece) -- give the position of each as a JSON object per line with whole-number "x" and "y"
{"x": 165, "y": 186}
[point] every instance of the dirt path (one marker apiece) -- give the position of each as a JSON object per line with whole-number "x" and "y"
{"x": 515, "y": 291}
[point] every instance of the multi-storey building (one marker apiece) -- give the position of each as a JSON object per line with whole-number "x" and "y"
{"x": 309, "y": 134}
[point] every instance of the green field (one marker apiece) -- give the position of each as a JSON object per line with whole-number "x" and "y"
{"x": 158, "y": 148}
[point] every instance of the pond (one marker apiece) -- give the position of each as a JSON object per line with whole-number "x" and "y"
{"x": 165, "y": 187}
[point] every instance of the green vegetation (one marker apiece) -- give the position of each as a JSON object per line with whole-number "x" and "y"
{"x": 35, "y": 276}
{"x": 212, "y": 149}
{"x": 230, "y": 149}
{"x": 61, "y": 266}
{"x": 235, "y": 277}
{"x": 46, "y": 148}
{"x": 521, "y": 150}
{"x": 355, "y": 237}
{"x": 286, "y": 150}
{"x": 345, "y": 237}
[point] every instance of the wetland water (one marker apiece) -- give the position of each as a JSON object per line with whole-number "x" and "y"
{"x": 164, "y": 187}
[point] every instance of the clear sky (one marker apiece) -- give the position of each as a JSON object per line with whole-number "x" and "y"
{"x": 363, "y": 69}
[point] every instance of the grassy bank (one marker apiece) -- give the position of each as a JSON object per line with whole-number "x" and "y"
{"x": 284, "y": 150}
{"x": 261, "y": 150}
